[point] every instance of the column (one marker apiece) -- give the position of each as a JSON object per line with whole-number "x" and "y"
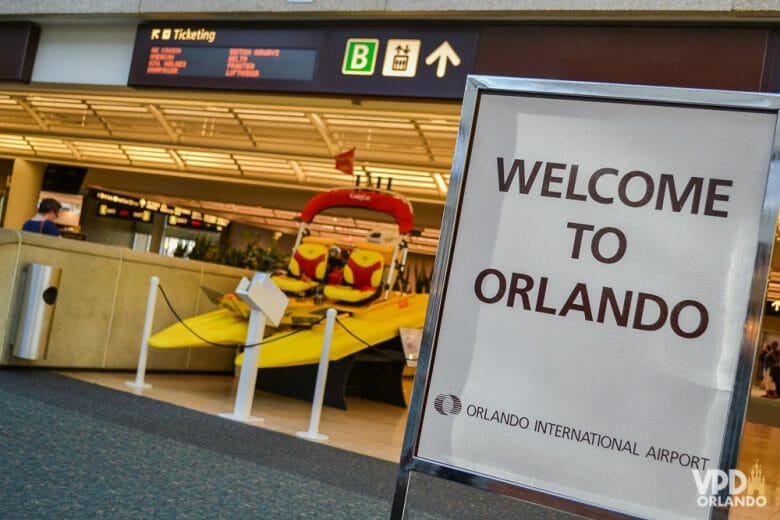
{"x": 158, "y": 232}
{"x": 26, "y": 181}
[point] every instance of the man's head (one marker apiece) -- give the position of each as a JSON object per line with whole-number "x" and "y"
{"x": 49, "y": 208}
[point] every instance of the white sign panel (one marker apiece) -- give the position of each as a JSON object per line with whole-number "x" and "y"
{"x": 596, "y": 297}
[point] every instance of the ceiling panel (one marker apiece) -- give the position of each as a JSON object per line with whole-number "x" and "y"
{"x": 282, "y": 141}
{"x": 272, "y": 139}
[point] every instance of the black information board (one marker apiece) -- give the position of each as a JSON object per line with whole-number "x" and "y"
{"x": 18, "y": 44}
{"x": 414, "y": 60}
{"x": 236, "y": 62}
{"x": 231, "y": 57}
{"x": 141, "y": 210}
{"x": 122, "y": 212}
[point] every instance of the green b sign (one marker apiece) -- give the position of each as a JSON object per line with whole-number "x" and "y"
{"x": 360, "y": 56}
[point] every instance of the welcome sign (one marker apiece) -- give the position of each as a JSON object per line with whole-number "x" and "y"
{"x": 597, "y": 295}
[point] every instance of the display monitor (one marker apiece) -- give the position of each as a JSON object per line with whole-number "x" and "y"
{"x": 61, "y": 178}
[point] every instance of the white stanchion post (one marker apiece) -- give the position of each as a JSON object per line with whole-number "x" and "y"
{"x": 266, "y": 302}
{"x": 247, "y": 378}
{"x": 313, "y": 433}
{"x": 140, "y": 372}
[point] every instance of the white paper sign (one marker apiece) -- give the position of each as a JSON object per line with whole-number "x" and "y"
{"x": 596, "y": 297}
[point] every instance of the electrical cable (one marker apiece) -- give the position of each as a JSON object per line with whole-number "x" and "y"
{"x": 239, "y": 346}
{"x": 180, "y": 320}
{"x": 352, "y": 333}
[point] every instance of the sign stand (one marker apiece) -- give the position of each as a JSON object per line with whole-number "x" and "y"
{"x": 247, "y": 379}
{"x": 684, "y": 186}
{"x": 266, "y": 301}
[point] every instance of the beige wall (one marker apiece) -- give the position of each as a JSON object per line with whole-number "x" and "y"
{"x": 100, "y": 309}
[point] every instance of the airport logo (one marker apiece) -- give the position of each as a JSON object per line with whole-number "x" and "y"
{"x": 711, "y": 483}
{"x": 447, "y": 404}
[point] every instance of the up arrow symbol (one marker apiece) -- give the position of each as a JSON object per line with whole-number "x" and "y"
{"x": 776, "y": 305}
{"x": 442, "y": 54}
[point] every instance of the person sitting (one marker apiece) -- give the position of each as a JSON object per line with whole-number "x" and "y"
{"x": 43, "y": 222}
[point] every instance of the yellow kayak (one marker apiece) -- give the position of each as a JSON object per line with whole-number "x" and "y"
{"x": 226, "y": 326}
{"x": 376, "y": 325}
{"x": 373, "y": 324}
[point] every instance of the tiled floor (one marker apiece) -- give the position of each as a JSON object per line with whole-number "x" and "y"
{"x": 377, "y": 429}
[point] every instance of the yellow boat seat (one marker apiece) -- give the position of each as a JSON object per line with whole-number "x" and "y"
{"x": 363, "y": 276}
{"x": 326, "y": 241}
{"x": 307, "y": 268}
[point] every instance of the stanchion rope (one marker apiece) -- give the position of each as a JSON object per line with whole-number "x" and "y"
{"x": 241, "y": 346}
{"x": 352, "y": 333}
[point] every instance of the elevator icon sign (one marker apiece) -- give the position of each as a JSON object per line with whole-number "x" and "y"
{"x": 360, "y": 57}
{"x": 401, "y": 58}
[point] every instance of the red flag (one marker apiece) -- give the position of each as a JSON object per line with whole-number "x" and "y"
{"x": 346, "y": 161}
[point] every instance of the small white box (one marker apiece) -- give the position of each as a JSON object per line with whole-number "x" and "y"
{"x": 262, "y": 294}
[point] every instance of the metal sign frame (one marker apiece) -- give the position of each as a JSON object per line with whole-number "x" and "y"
{"x": 476, "y": 86}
